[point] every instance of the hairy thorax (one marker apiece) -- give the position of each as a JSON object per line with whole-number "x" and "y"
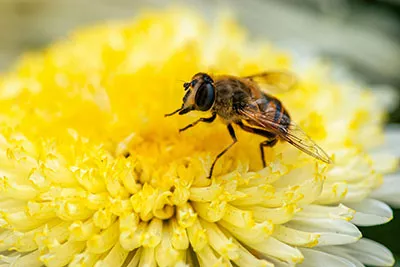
{"x": 230, "y": 94}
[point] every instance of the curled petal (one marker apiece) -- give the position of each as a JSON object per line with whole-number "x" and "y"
{"x": 166, "y": 254}
{"x": 370, "y": 252}
{"x": 147, "y": 258}
{"x": 105, "y": 240}
{"x": 295, "y": 237}
{"x": 257, "y": 233}
{"x": 179, "y": 235}
{"x": 330, "y": 231}
{"x": 62, "y": 254}
{"x": 115, "y": 257}
{"x": 370, "y": 212}
{"x": 315, "y": 258}
{"x": 219, "y": 242}
{"x": 186, "y": 215}
{"x": 197, "y": 236}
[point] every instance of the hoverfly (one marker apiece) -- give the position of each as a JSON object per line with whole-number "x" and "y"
{"x": 243, "y": 101}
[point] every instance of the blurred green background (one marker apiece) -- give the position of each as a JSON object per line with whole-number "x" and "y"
{"x": 360, "y": 37}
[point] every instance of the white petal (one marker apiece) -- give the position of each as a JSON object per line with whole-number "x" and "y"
{"x": 390, "y": 190}
{"x": 384, "y": 162}
{"x": 331, "y": 231}
{"x": 278, "y": 263}
{"x": 392, "y": 140}
{"x": 370, "y": 252}
{"x": 341, "y": 252}
{"x": 315, "y": 258}
{"x": 370, "y": 212}
{"x": 275, "y": 248}
{"x": 333, "y": 212}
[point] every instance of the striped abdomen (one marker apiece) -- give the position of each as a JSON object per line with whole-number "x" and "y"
{"x": 278, "y": 113}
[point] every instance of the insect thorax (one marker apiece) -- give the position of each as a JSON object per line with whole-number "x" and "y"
{"x": 229, "y": 95}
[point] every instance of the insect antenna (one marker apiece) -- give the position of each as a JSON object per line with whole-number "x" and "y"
{"x": 186, "y": 85}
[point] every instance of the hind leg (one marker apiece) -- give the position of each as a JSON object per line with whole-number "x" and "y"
{"x": 272, "y": 140}
{"x": 267, "y": 143}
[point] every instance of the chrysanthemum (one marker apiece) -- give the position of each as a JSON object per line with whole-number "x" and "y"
{"x": 68, "y": 196}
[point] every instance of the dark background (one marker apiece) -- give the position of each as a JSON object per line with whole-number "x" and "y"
{"x": 360, "y": 36}
{"x": 389, "y": 233}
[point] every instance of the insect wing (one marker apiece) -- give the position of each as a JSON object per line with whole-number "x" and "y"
{"x": 274, "y": 80}
{"x": 291, "y": 133}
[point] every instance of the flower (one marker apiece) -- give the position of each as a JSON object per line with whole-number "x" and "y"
{"x": 69, "y": 196}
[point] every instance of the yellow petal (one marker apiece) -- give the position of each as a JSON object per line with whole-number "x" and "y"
{"x": 52, "y": 235}
{"x": 273, "y": 247}
{"x": 197, "y": 236}
{"x": 207, "y": 257}
{"x": 210, "y": 211}
{"x": 219, "y": 242}
{"x": 103, "y": 218}
{"x": 129, "y": 181}
{"x": 163, "y": 208}
{"x": 21, "y": 221}
{"x": 257, "y": 233}
{"x": 131, "y": 239}
{"x": 295, "y": 237}
{"x": 332, "y": 193}
{"x": 246, "y": 258}
{"x": 105, "y": 240}
{"x": 84, "y": 259}
{"x": 148, "y": 258}
{"x": 7, "y": 239}
{"x": 81, "y": 231}
{"x": 255, "y": 195}
{"x": 26, "y": 240}
{"x": 165, "y": 254}
{"x": 275, "y": 215}
{"x": 335, "y": 212}
{"x": 181, "y": 194}
{"x": 205, "y": 194}
{"x": 115, "y": 257}
{"x": 134, "y": 262}
{"x": 128, "y": 222}
{"x": 185, "y": 215}
{"x": 30, "y": 259}
{"x": 152, "y": 235}
{"x": 15, "y": 191}
{"x": 238, "y": 217}
{"x": 179, "y": 237}
{"x": 120, "y": 206}
{"x": 71, "y": 211}
{"x": 62, "y": 254}
{"x": 41, "y": 210}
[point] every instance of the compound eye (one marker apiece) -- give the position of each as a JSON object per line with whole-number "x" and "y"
{"x": 205, "y": 96}
{"x": 207, "y": 78}
{"x": 193, "y": 83}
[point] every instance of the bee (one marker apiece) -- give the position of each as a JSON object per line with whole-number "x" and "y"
{"x": 244, "y": 101}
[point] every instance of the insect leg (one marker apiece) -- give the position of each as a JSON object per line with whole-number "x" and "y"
{"x": 272, "y": 140}
{"x": 208, "y": 120}
{"x": 267, "y": 143}
{"x": 233, "y": 135}
{"x": 172, "y": 113}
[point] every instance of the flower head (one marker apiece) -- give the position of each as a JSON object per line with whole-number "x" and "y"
{"x": 70, "y": 197}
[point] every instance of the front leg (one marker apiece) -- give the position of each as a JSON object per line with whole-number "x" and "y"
{"x": 208, "y": 120}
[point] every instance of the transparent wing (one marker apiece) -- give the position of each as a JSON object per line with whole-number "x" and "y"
{"x": 287, "y": 130}
{"x": 274, "y": 80}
